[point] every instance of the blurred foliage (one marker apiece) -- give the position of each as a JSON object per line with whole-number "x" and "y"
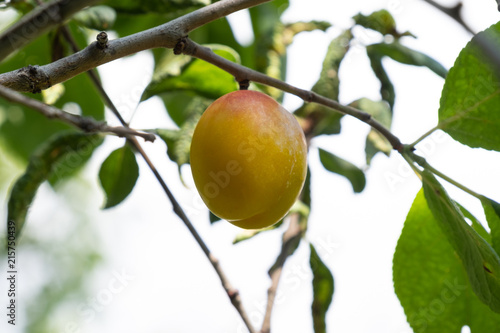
{"x": 50, "y": 160}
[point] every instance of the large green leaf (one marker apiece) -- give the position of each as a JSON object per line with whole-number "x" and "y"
{"x": 325, "y": 120}
{"x": 183, "y": 73}
{"x": 323, "y": 287}
{"x": 492, "y": 212}
{"x": 405, "y": 55}
{"x": 44, "y": 163}
{"x": 118, "y": 175}
{"x": 344, "y": 168}
{"x": 430, "y": 281}
{"x": 481, "y": 262}
{"x": 470, "y": 98}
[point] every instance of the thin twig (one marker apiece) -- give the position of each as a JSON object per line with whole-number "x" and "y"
{"x": 242, "y": 73}
{"x": 86, "y": 124}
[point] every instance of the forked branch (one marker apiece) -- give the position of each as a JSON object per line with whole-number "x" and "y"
{"x": 85, "y": 124}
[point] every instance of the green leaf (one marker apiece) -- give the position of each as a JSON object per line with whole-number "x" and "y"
{"x": 154, "y": 6}
{"x": 97, "y": 17}
{"x": 305, "y": 196}
{"x": 213, "y": 218}
{"x": 323, "y": 287}
{"x": 184, "y": 105}
{"x": 405, "y": 55}
{"x": 325, "y": 120}
{"x": 20, "y": 120}
{"x": 386, "y": 87}
{"x": 492, "y": 212}
{"x": 381, "y": 21}
{"x": 430, "y": 281}
{"x": 183, "y": 73}
{"x": 178, "y": 141}
{"x": 344, "y": 168}
{"x": 471, "y": 97}
{"x": 47, "y": 161}
{"x": 292, "y": 29}
{"x": 268, "y": 52}
{"x": 480, "y": 261}
{"x": 118, "y": 175}
{"x": 288, "y": 247}
{"x": 475, "y": 224}
{"x": 380, "y": 111}
{"x": 250, "y": 233}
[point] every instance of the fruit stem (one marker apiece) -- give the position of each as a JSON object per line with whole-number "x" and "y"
{"x": 423, "y": 163}
{"x": 244, "y": 84}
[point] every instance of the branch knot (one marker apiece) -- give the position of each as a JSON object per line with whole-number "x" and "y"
{"x": 36, "y": 78}
{"x": 102, "y": 40}
{"x": 180, "y": 46}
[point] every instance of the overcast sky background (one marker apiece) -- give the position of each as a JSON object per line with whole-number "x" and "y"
{"x": 171, "y": 285}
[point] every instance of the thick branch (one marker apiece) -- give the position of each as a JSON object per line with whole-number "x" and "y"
{"x": 242, "y": 73}
{"x": 166, "y": 35}
{"x": 38, "y": 22}
{"x": 86, "y": 124}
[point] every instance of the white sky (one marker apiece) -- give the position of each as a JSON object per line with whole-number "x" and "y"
{"x": 174, "y": 289}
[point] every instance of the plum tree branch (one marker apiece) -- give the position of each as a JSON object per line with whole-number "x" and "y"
{"x": 38, "y": 22}
{"x": 171, "y": 35}
{"x": 166, "y": 35}
{"x": 242, "y": 73}
{"x": 86, "y": 124}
